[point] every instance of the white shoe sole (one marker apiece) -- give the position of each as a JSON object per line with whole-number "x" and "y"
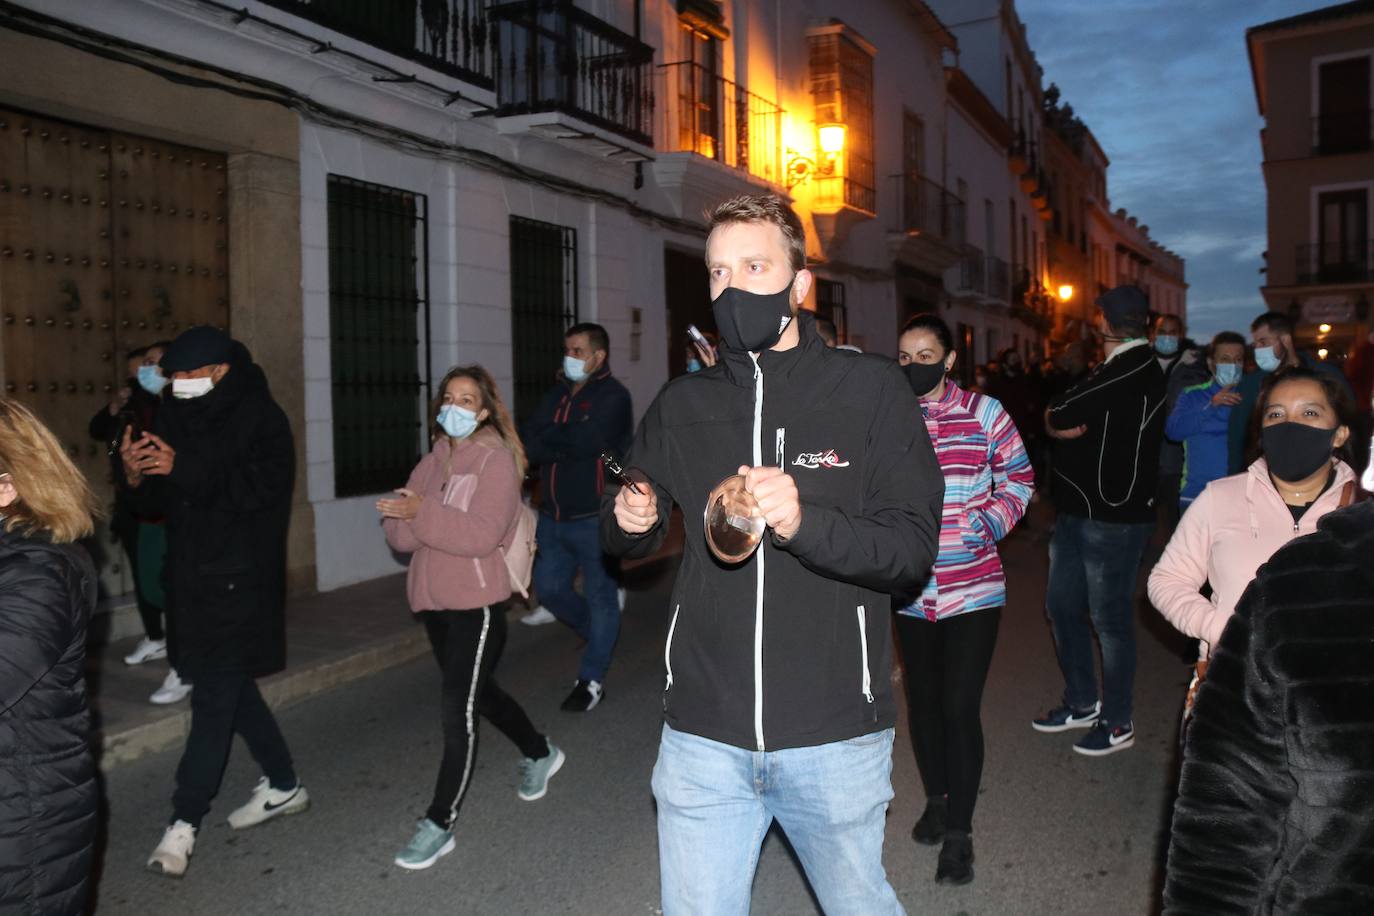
{"x": 298, "y": 804}
{"x": 159, "y": 698}
{"x": 538, "y": 618}
{"x": 557, "y": 765}
{"x": 157, "y": 867}
{"x": 157, "y": 655}
{"x": 421, "y": 866}
{"x": 1067, "y": 726}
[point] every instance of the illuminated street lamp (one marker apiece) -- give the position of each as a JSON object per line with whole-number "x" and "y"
{"x": 1321, "y": 354}
{"x": 1065, "y": 292}
{"x": 1324, "y": 328}
{"x": 832, "y": 139}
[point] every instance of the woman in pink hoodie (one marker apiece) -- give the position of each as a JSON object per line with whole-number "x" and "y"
{"x": 454, "y": 515}
{"x": 1304, "y": 420}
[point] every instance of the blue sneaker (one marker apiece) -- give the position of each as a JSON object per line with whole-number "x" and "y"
{"x": 1065, "y": 717}
{"x": 429, "y": 843}
{"x": 535, "y": 774}
{"x": 1105, "y": 738}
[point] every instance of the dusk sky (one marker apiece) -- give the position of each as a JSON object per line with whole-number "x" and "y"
{"x": 1166, "y": 89}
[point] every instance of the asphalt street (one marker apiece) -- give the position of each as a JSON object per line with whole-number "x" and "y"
{"x": 1055, "y": 832}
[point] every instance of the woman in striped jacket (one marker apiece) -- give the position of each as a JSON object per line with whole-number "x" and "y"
{"x": 946, "y": 636}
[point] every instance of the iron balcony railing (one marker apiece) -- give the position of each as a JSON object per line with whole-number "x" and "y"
{"x": 554, "y": 56}
{"x": 716, "y": 118}
{"x": 928, "y": 209}
{"x": 1336, "y": 262}
{"x": 1333, "y": 134}
{"x": 452, "y": 36}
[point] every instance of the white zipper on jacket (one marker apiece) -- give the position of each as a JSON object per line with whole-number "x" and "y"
{"x": 863, "y": 650}
{"x": 668, "y": 649}
{"x": 758, "y": 559}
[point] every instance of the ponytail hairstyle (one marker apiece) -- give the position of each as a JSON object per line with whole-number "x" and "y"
{"x": 498, "y": 417}
{"x": 54, "y": 498}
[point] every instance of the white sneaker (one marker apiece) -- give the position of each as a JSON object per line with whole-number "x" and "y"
{"x": 173, "y": 854}
{"x": 268, "y": 803}
{"x": 147, "y": 650}
{"x": 538, "y": 617}
{"x": 173, "y": 690}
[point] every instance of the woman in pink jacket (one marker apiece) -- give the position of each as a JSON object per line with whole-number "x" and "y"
{"x": 454, "y": 514}
{"x": 1304, "y": 420}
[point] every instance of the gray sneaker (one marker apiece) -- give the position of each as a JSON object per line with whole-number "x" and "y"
{"x": 429, "y": 843}
{"x": 535, "y": 774}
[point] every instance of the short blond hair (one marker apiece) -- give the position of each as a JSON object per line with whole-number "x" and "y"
{"x": 54, "y": 498}
{"x": 765, "y": 208}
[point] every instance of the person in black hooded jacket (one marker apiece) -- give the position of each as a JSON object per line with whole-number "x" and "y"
{"x": 48, "y": 793}
{"x": 1275, "y": 810}
{"x": 778, "y": 702}
{"x": 220, "y": 468}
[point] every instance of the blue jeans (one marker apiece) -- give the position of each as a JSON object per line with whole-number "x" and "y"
{"x": 1093, "y": 568}
{"x": 716, "y": 803}
{"x": 565, "y": 547}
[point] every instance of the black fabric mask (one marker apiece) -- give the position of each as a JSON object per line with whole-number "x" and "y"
{"x": 923, "y": 377}
{"x": 752, "y": 322}
{"x": 1296, "y": 451}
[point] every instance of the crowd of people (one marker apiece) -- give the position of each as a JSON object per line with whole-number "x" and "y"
{"x": 869, "y": 493}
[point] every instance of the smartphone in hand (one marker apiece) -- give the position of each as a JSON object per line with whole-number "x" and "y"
{"x": 699, "y": 339}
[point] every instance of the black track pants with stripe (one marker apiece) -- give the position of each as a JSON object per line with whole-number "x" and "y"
{"x": 467, "y": 645}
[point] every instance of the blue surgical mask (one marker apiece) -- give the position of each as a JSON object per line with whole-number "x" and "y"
{"x": 1166, "y": 345}
{"x": 575, "y": 369}
{"x": 457, "y": 422}
{"x": 151, "y": 379}
{"x": 1227, "y": 374}
{"x": 693, "y": 365}
{"x": 1267, "y": 359}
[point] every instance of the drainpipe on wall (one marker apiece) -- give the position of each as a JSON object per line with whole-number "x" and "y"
{"x": 639, "y": 166}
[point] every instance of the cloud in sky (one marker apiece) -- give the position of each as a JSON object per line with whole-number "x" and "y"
{"x": 1167, "y": 91}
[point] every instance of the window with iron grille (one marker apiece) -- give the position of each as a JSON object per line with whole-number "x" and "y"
{"x": 378, "y": 320}
{"x": 543, "y": 290}
{"x": 830, "y": 305}
{"x": 842, "y": 92}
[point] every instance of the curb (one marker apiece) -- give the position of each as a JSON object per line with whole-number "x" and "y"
{"x": 279, "y": 691}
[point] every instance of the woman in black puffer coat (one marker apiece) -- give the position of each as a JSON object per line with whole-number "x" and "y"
{"x": 47, "y": 591}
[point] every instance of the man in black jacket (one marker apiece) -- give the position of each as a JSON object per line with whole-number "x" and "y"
{"x": 1108, "y": 430}
{"x": 778, "y": 703}
{"x": 220, "y": 468}
{"x": 586, "y": 413}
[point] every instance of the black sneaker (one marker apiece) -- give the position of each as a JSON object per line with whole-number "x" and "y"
{"x": 956, "y": 859}
{"x": 584, "y": 697}
{"x": 930, "y": 829}
{"x": 1063, "y": 718}
{"x": 1105, "y": 738}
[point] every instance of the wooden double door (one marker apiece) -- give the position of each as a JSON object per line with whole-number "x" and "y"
{"x": 108, "y": 242}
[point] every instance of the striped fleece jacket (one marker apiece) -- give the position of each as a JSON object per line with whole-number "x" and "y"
{"x": 988, "y": 482}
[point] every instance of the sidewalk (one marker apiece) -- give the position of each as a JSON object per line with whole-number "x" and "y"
{"x": 331, "y": 638}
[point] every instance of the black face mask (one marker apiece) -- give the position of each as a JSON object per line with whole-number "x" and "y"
{"x": 1296, "y": 451}
{"x": 752, "y": 322}
{"x": 923, "y": 377}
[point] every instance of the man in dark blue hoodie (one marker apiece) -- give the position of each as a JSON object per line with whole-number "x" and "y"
{"x": 585, "y": 413}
